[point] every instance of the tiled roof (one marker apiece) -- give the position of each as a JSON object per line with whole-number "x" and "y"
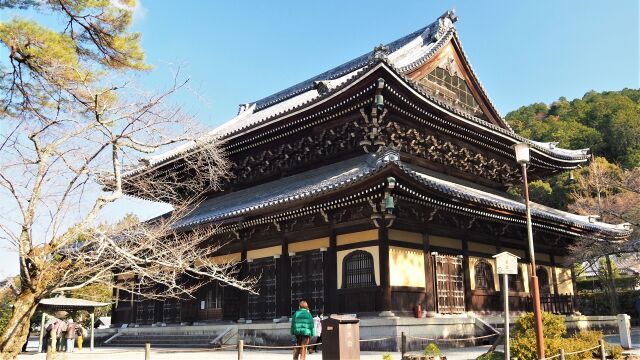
{"x": 70, "y": 303}
{"x": 332, "y": 177}
{"x": 402, "y": 52}
{"x": 296, "y": 187}
{"x": 460, "y": 190}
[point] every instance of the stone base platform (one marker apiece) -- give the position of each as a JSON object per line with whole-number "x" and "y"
{"x": 385, "y": 331}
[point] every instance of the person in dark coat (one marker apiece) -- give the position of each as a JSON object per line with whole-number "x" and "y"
{"x": 302, "y": 327}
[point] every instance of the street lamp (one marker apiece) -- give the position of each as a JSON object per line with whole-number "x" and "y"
{"x": 523, "y": 157}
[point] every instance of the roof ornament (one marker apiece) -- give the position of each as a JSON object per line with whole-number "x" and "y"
{"x": 445, "y": 23}
{"x": 372, "y": 124}
{"x": 322, "y": 87}
{"x": 243, "y": 107}
{"x": 387, "y": 155}
{"x": 380, "y": 52}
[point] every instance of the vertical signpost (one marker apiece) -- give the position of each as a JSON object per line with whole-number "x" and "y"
{"x": 506, "y": 264}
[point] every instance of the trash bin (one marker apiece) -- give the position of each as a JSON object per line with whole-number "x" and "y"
{"x": 341, "y": 338}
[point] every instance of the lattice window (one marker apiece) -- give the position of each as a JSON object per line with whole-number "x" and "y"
{"x": 357, "y": 270}
{"x": 484, "y": 275}
{"x": 451, "y": 87}
{"x": 543, "y": 280}
{"x": 516, "y": 282}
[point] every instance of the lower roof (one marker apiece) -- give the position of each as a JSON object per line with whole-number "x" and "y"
{"x": 279, "y": 195}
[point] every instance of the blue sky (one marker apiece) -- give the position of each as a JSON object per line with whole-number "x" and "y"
{"x": 522, "y": 51}
{"x": 237, "y": 52}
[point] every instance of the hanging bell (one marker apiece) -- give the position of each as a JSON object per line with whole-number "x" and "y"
{"x": 389, "y": 205}
{"x": 380, "y": 102}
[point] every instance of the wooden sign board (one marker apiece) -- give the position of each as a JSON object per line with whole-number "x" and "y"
{"x": 506, "y": 263}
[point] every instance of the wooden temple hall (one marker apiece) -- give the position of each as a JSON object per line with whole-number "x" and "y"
{"x": 373, "y": 187}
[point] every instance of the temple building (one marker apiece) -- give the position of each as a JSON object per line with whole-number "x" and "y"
{"x": 374, "y": 187}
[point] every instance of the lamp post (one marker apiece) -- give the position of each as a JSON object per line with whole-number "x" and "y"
{"x": 522, "y": 157}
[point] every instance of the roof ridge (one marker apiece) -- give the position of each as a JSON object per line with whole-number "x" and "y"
{"x": 442, "y": 25}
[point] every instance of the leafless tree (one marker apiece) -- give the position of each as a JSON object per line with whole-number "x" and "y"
{"x": 613, "y": 195}
{"x": 65, "y": 159}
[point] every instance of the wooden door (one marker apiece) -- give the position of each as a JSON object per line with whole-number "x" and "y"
{"x": 263, "y": 305}
{"x": 449, "y": 284}
{"x": 145, "y": 312}
{"x": 307, "y": 280}
{"x": 171, "y": 312}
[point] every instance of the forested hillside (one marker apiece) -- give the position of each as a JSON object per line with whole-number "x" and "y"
{"x": 608, "y": 123}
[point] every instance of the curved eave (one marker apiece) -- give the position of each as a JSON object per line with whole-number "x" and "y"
{"x": 454, "y": 197}
{"x": 481, "y": 126}
{"x": 257, "y": 132}
{"x": 470, "y": 201}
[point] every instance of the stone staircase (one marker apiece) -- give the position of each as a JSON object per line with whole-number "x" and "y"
{"x": 173, "y": 340}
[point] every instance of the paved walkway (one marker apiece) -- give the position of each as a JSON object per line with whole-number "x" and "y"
{"x": 200, "y": 354}
{"x": 204, "y": 354}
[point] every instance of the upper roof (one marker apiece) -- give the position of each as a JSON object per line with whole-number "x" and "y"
{"x": 401, "y": 56}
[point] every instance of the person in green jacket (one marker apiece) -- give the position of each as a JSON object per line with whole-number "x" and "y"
{"x": 302, "y": 327}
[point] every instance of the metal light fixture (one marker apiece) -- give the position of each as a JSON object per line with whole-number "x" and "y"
{"x": 522, "y": 153}
{"x": 523, "y": 158}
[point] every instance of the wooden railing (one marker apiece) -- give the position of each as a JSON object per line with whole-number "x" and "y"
{"x": 557, "y": 304}
{"x": 492, "y": 301}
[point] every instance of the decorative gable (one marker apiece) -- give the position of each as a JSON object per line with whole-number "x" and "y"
{"x": 447, "y": 81}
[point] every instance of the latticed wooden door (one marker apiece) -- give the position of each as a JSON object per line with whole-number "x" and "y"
{"x": 450, "y": 283}
{"x": 307, "y": 280}
{"x": 171, "y": 312}
{"x": 263, "y": 305}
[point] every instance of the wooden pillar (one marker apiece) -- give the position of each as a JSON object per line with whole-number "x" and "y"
{"x": 385, "y": 276}
{"x": 92, "y": 325}
{"x": 554, "y": 279}
{"x": 429, "y": 276}
{"x": 134, "y": 305}
{"x": 243, "y": 307}
{"x": 468, "y": 296}
{"x": 331, "y": 277}
{"x": 283, "y": 284}
{"x": 115, "y": 301}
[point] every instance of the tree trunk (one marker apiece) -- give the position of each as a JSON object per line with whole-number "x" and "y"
{"x": 613, "y": 300}
{"x": 17, "y": 329}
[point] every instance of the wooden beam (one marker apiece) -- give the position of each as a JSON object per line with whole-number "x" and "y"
{"x": 243, "y": 308}
{"x": 283, "y": 284}
{"x": 429, "y": 277}
{"x": 468, "y": 296}
{"x": 385, "y": 276}
{"x": 330, "y": 273}
{"x": 553, "y": 274}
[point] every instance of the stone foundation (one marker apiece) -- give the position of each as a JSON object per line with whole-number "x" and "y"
{"x": 387, "y": 330}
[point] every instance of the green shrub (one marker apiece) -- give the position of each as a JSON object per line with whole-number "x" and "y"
{"x": 494, "y": 355}
{"x": 583, "y": 340}
{"x": 432, "y": 350}
{"x": 615, "y": 352}
{"x": 523, "y": 344}
{"x": 386, "y": 356}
